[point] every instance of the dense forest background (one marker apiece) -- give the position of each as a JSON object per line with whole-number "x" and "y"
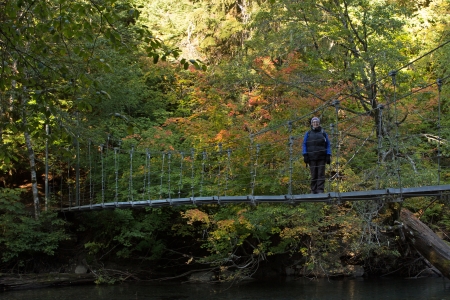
{"x": 167, "y": 75}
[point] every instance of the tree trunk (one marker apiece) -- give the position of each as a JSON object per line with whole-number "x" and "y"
{"x": 426, "y": 242}
{"x": 34, "y": 186}
{"x": 31, "y": 157}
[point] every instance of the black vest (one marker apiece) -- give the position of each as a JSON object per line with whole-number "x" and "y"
{"x": 316, "y": 144}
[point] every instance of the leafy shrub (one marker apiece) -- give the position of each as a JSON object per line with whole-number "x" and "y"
{"x": 21, "y": 235}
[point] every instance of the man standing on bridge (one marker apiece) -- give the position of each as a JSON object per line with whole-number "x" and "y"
{"x": 316, "y": 152}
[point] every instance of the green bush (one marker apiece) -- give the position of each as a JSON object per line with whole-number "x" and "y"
{"x": 21, "y": 235}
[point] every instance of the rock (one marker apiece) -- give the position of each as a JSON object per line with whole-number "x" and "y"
{"x": 80, "y": 269}
{"x": 202, "y": 277}
{"x": 337, "y": 271}
{"x": 355, "y": 271}
{"x": 290, "y": 271}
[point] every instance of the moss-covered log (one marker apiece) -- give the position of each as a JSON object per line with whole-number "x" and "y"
{"x": 426, "y": 242}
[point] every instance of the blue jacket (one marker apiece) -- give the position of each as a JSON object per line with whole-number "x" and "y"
{"x": 316, "y": 144}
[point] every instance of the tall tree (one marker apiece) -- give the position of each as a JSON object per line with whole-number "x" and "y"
{"x": 209, "y": 30}
{"x": 48, "y": 51}
{"x": 349, "y": 43}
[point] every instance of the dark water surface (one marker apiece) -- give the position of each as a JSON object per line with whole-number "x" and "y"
{"x": 299, "y": 289}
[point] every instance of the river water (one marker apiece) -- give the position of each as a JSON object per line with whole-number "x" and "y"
{"x": 299, "y": 289}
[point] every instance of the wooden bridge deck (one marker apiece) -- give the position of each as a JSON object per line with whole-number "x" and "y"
{"x": 388, "y": 195}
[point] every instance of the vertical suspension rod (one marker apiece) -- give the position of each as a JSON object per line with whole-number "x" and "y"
{"x": 393, "y": 74}
{"x": 203, "y": 172}
{"x": 90, "y": 173}
{"x": 116, "y": 172}
{"x": 46, "y": 166}
{"x": 180, "y": 182}
{"x": 77, "y": 169}
{"x": 162, "y": 174}
{"x": 380, "y": 139}
{"x": 253, "y": 167}
{"x": 169, "y": 161}
{"x": 68, "y": 181}
{"x": 149, "y": 157}
{"x": 228, "y": 172}
{"x": 439, "y": 84}
{"x": 291, "y": 150}
{"x": 291, "y": 144}
{"x": 219, "y": 158}
{"x": 103, "y": 174}
{"x": 331, "y": 146}
{"x": 77, "y": 173}
{"x": 336, "y": 105}
{"x": 131, "y": 173}
{"x": 61, "y": 191}
{"x": 192, "y": 172}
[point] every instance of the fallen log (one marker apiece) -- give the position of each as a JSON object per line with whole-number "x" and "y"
{"x": 30, "y": 281}
{"x": 426, "y": 242}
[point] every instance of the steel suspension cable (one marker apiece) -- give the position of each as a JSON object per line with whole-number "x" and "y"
{"x": 219, "y": 159}
{"x": 169, "y": 163}
{"x": 180, "y": 182}
{"x": 46, "y": 167}
{"x": 228, "y": 170}
{"x": 162, "y": 174}
{"x": 332, "y": 135}
{"x": 252, "y": 167}
{"x": 336, "y": 105}
{"x": 130, "y": 184}
{"x": 116, "y": 172}
{"x": 77, "y": 172}
{"x": 291, "y": 151}
{"x": 68, "y": 181}
{"x": 149, "y": 181}
{"x": 255, "y": 170}
{"x": 103, "y": 174}
{"x": 203, "y": 172}
{"x": 404, "y": 66}
{"x": 61, "y": 189}
{"x": 397, "y": 151}
{"x": 144, "y": 180}
{"x": 439, "y": 84}
{"x": 90, "y": 173}
{"x": 380, "y": 140}
{"x": 192, "y": 173}
{"x": 253, "y": 173}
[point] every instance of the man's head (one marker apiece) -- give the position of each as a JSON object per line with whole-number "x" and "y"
{"x": 315, "y": 122}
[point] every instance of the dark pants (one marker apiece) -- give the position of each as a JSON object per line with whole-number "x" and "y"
{"x": 317, "y": 168}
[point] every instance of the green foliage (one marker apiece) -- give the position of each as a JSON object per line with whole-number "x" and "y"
{"x": 239, "y": 234}
{"x": 21, "y": 235}
{"x": 10, "y": 201}
{"x": 432, "y": 211}
{"x": 445, "y": 222}
{"x": 124, "y": 233}
{"x": 206, "y": 30}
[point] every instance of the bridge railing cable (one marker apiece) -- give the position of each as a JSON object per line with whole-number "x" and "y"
{"x": 276, "y": 155}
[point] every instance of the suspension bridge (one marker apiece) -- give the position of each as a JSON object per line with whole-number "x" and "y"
{"x": 375, "y": 158}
